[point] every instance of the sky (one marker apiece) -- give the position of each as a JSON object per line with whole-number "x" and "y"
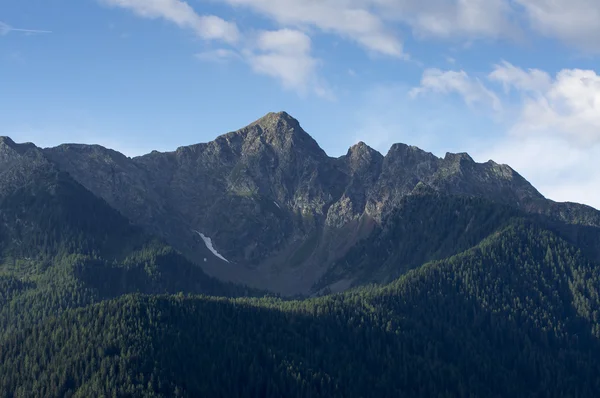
{"x": 516, "y": 81}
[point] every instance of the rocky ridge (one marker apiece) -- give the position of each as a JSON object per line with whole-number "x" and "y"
{"x": 272, "y": 201}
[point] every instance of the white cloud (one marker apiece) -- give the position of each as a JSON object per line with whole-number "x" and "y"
{"x": 566, "y": 106}
{"x": 348, "y": 18}
{"x": 284, "y": 41}
{"x": 208, "y": 27}
{"x": 573, "y": 21}
{"x": 532, "y": 80}
{"x": 447, "y": 82}
{"x": 374, "y": 23}
{"x": 453, "y": 18}
{"x": 286, "y": 55}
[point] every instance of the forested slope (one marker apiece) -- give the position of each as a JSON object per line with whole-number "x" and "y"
{"x": 517, "y": 316}
{"x": 429, "y": 226}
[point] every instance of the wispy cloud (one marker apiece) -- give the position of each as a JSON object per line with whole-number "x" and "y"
{"x": 208, "y": 27}
{"x": 459, "y": 82}
{"x": 285, "y": 55}
{"x": 5, "y": 29}
{"x": 350, "y": 19}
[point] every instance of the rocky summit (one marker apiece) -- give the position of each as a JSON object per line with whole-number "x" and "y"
{"x": 265, "y": 206}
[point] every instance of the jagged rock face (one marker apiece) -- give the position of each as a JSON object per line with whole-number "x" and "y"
{"x": 362, "y": 167}
{"x": 274, "y": 204}
{"x": 253, "y": 190}
{"x": 260, "y": 193}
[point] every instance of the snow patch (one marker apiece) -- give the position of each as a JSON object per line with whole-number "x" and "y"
{"x": 209, "y": 246}
{"x": 276, "y": 204}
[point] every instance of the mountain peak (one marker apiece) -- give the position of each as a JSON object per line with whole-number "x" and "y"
{"x": 405, "y": 148}
{"x": 281, "y": 131}
{"x": 409, "y": 154}
{"x": 361, "y": 147}
{"x": 361, "y": 155}
{"x": 7, "y": 142}
{"x": 275, "y": 119}
{"x": 458, "y": 157}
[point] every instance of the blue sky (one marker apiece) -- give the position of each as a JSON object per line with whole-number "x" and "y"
{"x": 516, "y": 81}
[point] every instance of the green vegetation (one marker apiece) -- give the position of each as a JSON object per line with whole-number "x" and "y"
{"x": 515, "y": 316}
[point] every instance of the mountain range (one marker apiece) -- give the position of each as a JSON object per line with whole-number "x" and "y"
{"x": 404, "y": 274}
{"x": 278, "y": 210}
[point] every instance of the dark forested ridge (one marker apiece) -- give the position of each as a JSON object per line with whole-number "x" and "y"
{"x": 515, "y": 316}
{"x": 453, "y": 296}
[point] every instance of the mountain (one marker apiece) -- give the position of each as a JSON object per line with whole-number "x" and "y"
{"x": 516, "y": 315}
{"x": 429, "y": 276}
{"x": 276, "y": 207}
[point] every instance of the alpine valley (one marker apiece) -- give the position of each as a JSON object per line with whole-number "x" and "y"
{"x": 256, "y": 265}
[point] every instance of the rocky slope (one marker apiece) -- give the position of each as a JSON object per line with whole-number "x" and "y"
{"x": 275, "y": 206}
